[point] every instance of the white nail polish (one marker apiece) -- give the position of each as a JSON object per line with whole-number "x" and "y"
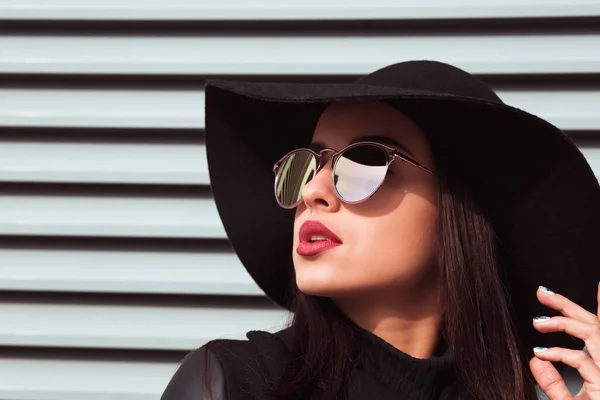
{"x": 541, "y": 319}
{"x": 544, "y": 289}
{"x": 539, "y": 349}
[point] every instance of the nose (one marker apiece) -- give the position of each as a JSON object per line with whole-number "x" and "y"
{"x": 319, "y": 192}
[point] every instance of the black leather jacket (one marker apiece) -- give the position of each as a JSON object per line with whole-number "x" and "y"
{"x": 190, "y": 380}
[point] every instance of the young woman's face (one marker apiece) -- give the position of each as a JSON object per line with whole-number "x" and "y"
{"x": 388, "y": 241}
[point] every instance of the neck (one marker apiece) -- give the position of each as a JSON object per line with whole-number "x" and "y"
{"x": 410, "y": 324}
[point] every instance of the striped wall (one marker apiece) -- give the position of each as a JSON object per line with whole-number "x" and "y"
{"x": 114, "y": 262}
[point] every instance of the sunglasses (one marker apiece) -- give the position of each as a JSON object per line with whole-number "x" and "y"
{"x": 358, "y": 170}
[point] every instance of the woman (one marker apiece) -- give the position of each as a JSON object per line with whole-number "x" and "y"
{"x": 407, "y": 220}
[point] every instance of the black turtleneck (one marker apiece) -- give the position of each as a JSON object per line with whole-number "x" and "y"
{"x": 408, "y": 377}
{"x": 381, "y": 373}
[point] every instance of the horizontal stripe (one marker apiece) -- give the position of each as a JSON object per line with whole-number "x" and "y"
{"x": 66, "y": 379}
{"x": 288, "y": 55}
{"x": 102, "y": 216}
{"x": 121, "y": 326}
{"x": 204, "y": 272}
{"x": 273, "y": 10}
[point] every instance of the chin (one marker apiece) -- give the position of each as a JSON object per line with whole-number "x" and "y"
{"x": 317, "y": 283}
{"x": 321, "y": 291}
{"x": 325, "y": 286}
{"x": 333, "y": 291}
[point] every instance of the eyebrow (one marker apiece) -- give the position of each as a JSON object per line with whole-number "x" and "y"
{"x": 372, "y": 138}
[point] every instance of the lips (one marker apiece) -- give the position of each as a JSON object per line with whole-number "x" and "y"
{"x": 316, "y": 230}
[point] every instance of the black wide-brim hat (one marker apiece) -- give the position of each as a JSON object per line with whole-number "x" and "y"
{"x": 541, "y": 194}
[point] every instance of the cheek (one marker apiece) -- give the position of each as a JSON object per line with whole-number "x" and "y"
{"x": 402, "y": 242}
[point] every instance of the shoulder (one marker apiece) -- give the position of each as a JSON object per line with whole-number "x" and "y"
{"x": 261, "y": 356}
{"x": 218, "y": 364}
{"x": 199, "y": 376}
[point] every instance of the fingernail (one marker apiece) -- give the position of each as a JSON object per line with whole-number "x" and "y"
{"x": 539, "y": 349}
{"x": 546, "y": 290}
{"x": 541, "y": 319}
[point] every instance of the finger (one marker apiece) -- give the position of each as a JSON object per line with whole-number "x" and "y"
{"x": 565, "y": 306}
{"x": 549, "y": 380}
{"x": 577, "y": 359}
{"x": 589, "y": 333}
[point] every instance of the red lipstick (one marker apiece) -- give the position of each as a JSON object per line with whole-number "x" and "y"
{"x": 322, "y": 239}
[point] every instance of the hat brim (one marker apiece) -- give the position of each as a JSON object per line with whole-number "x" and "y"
{"x": 543, "y": 196}
{"x": 328, "y": 92}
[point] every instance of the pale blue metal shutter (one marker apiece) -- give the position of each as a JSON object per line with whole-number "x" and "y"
{"x": 113, "y": 261}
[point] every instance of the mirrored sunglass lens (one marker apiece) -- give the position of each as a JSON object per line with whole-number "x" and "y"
{"x": 359, "y": 171}
{"x": 294, "y": 172}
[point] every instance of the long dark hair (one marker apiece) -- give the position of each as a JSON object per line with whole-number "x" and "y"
{"x": 476, "y": 323}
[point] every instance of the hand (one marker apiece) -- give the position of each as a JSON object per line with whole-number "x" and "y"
{"x": 578, "y": 322}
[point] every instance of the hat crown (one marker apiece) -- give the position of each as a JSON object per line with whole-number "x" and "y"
{"x": 432, "y": 76}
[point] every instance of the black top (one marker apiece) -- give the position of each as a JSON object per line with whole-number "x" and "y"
{"x": 407, "y": 376}
{"x": 384, "y": 372}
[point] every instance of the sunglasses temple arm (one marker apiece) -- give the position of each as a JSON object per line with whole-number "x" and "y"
{"x": 413, "y": 162}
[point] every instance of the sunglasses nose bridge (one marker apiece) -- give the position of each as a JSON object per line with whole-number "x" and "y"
{"x": 323, "y": 158}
